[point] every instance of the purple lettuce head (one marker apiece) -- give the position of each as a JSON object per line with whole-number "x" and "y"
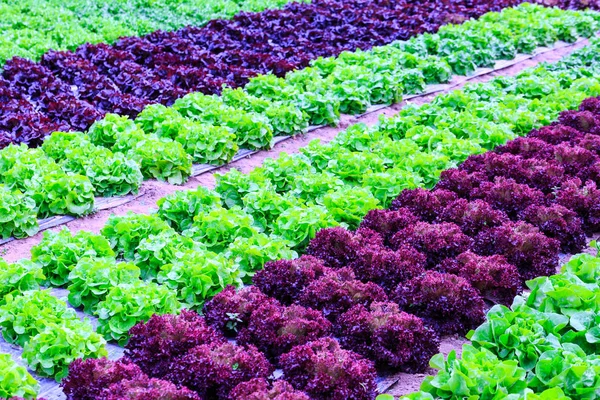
{"x": 436, "y": 241}
{"x": 559, "y": 223}
{"x": 230, "y": 310}
{"x": 460, "y": 182}
{"x": 387, "y": 267}
{"x": 582, "y": 198}
{"x": 336, "y": 292}
{"x": 387, "y": 336}
{"x": 144, "y": 389}
{"x": 555, "y": 134}
{"x": 509, "y": 196}
{"x": 88, "y": 378}
{"x": 446, "y": 302}
{"x": 472, "y": 216}
{"x": 285, "y": 279}
{"x": 153, "y": 344}
{"x": 212, "y": 370}
{"x": 388, "y": 222}
{"x": 325, "y": 371}
{"x": 496, "y": 279}
{"x": 583, "y": 121}
{"x": 527, "y": 147}
{"x": 338, "y": 247}
{"x": 523, "y": 245}
{"x": 590, "y": 104}
{"x": 423, "y": 203}
{"x": 275, "y": 329}
{"x": 260, "y": 389}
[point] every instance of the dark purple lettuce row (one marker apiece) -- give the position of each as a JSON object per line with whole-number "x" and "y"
{"x": 387, "y": 336}
{"x": 446, "y": 302}
{"x": 325, "y": 371}
{"x": 70, "y": 90}
{"x": 154, "y": 344}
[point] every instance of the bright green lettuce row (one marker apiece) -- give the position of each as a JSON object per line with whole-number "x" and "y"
{"x": 59, "y": 252}
{"x": 111, "y": 174}
{"x": 20, "y": 276}
{"x": 127, "y": 304}
{"x": 16, "y": 381}
{"x": 125, "y": 233}
{"x": 180, "y": 208}
{"x": 18, "y": 217}
{"x": 24, "y": 315}
{"x": 198, "y": 275}
{"x": 250, "y": 254}
{"x": 159, "y": 249}
{"x": 91, "y": 279}
{"x": 50, "y": 352}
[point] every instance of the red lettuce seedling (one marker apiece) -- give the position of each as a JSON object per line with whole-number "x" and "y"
{"x": 460, "y": 182}
{"x": 495, "y": 278}
{"x": 327, "y": 372}
{"x": 212, "y": 370}
{"x": 423, "y": 203}
{"x": 153, "y": 345}
{"x": 446, "y": 302}
{"x": 275, "y": 329}
{"x": 436, "y": 241}
{"x": 260, "y": 389}
{"x": 583, "y": 121}
{"x": 472, "y": 216}
{"x": 387, "y": 267}
{"x": 338, "y": 247}
{"x": 388, "y": 222}
{"x": 285, "y": 279}
{"x": 523, "y": 245}
{"x": 88, "y": 378}
{"x": 337, "y": 291}
{"x": 387, "y": 336}
{"x": 582, "y": 198}
{"x": 230, "y": 310}
{"x": 508, "y": 196}
{"x": 146, "y": 389}
{"x": 559, "y": 223}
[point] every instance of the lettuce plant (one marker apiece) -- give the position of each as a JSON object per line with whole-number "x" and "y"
{"x": 19, "y": 277}
{"x": 59, "y": 252}
{"x": 16, "y": 380}
{"x": 260, "y": 388}
{"x": 17, "y": 214}
{"x": 180, "y": 208}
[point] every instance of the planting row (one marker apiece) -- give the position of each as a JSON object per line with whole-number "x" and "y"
{"x": 225, "y": 245}
{"x": 434, "y": 254}
{"x": 546, "y": 343}
{"x": 32, "y": 27}
{"x": 70, "y": 168}
{"x": 71, "y": 90}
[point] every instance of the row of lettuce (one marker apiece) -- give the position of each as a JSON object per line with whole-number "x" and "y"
{"x": 71, "y": 90}
{"x": 32, "y": 27}
{"x": 65, "y": 174}
{"x": 546, "y": 342}
{"x": 201, "y": 241}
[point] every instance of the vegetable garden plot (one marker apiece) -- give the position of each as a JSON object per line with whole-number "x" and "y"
{"x": 71, "y": 90}
{"x": 233, "y": 247}
{"x": 117, "y": 144}
{"x": 32, "y": 27}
